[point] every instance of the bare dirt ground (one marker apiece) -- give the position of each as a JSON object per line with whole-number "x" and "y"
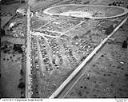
{"x": 107, "y": 74}
{"x": 10, "y": 68}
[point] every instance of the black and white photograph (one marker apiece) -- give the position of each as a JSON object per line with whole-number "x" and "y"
{"x": 64, "y": 49}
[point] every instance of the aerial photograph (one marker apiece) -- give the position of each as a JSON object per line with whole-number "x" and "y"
{"x": 64, "y": 49}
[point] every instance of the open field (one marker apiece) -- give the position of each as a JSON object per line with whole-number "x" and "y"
{"x": 59, "y": 44}
{"x": 61, "y": 47}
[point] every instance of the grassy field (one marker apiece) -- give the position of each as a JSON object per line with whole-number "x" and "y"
{"x": 114, "y": 53}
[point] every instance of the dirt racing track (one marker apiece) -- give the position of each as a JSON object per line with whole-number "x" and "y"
{"x": 64, "y": 39}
